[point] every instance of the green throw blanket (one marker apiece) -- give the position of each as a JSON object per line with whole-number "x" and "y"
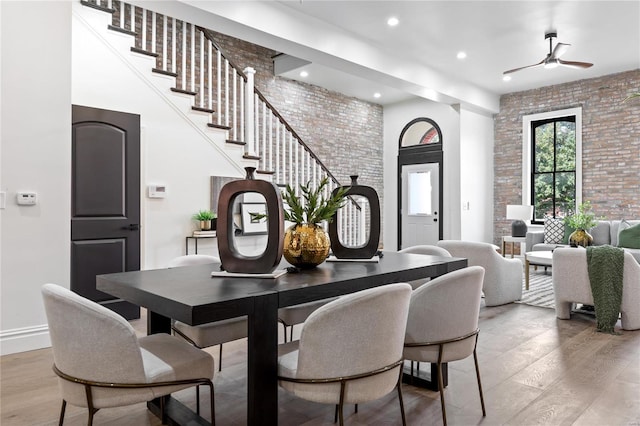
{"x": 605, "y": 265}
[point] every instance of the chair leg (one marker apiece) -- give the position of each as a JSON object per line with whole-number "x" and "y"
{"x": 475, "y": 359}
{"x": 356, "y": 410}
{"x": 220, "y": 359}
{"x": 399, "y": 386}
{"x": 90, "y": 407}
{"x": 284, "y": 327}
{"x": 291, "y": 334}
{"x": 62, "y": 410}
{"x": 335, "y": 414}
{"x": 441, "y": 386}
{"x": 212, "y": 402}
{"x": 341, "y": 405}
{"x": 198, "y": 399}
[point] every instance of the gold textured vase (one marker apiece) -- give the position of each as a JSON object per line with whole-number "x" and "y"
{"x": 580, "y": 237}
{"x": 306, "y": 245}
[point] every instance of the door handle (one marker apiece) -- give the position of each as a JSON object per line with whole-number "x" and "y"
{"x": 132, "y": 227}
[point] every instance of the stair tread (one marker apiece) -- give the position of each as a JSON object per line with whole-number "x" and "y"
{"x": 97, "y": 6}
{"x": 122, "y": 30}
{"x": 235, "y": 142}
{"x": 144, "y": 52}
{"x": 218, "y": 126}
{"x": 202, "y": 109}
{"x": 186, "y": 92}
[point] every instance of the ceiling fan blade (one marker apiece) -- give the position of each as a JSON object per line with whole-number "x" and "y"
{"x": 521, "y": 68}
{"x": 559, "y": 50}
{"x": 574, "y": 64}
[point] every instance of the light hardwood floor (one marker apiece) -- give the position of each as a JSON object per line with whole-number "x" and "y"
{"x": 535, "y": 370}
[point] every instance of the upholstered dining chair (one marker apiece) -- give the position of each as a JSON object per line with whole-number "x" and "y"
{"x": 442, "y": 325}
{"x": 291, "y": 316}
{"x": 502, "y": 277}
{"x": 428, "y": 250}
{"x": 339, "y": 358}
{"x": 213, "y": 333}
{"x": 101, "y": 363}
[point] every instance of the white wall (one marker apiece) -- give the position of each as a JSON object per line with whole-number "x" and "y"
{"x": 36, "y": 156}
{"x": 476, "y": 176}
{"x": 397, "y": 116}
{"x": 468, "y": 169}
{"x": 59, "y": 62}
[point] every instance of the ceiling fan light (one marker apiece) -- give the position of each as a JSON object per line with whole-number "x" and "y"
{"x": 551, "y": 64}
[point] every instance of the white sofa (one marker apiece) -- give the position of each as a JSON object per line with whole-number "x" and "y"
{"x": 502, "y": 277}
{"x": 571, "y": 285}
{"x": 605, "y": 232}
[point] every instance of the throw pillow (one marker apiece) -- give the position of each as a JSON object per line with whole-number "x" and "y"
{"x": 553, "y": 231}
{"x": 568, "y": 230}
{"x": 629, "y": 237}
{"x": 623, "y": 225}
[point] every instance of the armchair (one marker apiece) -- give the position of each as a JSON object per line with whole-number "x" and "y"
{"x": 502, "y": 282}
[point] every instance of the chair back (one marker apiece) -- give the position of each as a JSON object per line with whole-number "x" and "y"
{"x": 427, "y": 250}
{"x": 193, "y": 259}
{"x": 90, "y": 341}
{"x": 444, "y": 309}
{"x": 355, "y": 334}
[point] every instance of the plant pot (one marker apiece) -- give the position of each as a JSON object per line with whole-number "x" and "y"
{"x": 306, "y": 246}
{"x": 580, "y": 237}
{"x": 205, "y": 225}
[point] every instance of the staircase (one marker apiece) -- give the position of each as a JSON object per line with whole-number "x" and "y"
{"x": 227, "y": 96}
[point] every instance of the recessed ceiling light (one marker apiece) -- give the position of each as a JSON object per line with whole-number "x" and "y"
{"x": 461, "y": 55}
{"x": 376, "y": 95}
{"x": 304, "y": 74}
{"x": 506, "y": 78}
{"x": 393, "y": 21}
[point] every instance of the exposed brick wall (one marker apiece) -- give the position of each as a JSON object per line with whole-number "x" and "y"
{"x": 344, "y": 132}
{"x": 610, "y": 143}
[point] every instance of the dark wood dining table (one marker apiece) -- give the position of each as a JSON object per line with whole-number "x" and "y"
{"x": 191, "y": 295}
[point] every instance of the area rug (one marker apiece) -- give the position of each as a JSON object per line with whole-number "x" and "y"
{"x": 540, "y": 291}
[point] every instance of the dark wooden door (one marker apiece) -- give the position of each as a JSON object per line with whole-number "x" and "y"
{"x": 105, "y": 201}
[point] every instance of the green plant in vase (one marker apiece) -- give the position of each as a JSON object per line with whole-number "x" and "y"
{"x": 306, "y": 244}
{"x": 205, "y": 217}
{"x": 581, "y": 221}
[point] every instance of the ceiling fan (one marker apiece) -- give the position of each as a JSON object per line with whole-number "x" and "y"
{"x": 553, "y": 60}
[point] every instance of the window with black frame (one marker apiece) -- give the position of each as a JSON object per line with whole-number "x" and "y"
{"x": 553, "y": 177}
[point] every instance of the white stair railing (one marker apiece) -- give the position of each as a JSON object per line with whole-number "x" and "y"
{"x": 201, "y": 69}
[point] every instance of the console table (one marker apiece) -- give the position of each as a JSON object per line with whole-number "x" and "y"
{"x": 195, "y": 238}
{"x": 191, "y": 295}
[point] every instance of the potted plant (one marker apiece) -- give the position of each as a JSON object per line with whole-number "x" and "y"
{"x": 580, "y": 222}
{"x": 205, "y": 217}
{"x": 306, "y": 244}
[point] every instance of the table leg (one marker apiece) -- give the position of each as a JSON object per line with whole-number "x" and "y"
{"x": 504, "y": 248}
{"x": 262, "y": 366}
{"x": 526, "y": 273}
{"x": 176, "y": 413}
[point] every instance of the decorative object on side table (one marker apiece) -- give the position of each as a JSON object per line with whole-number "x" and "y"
{"x": 519, "y": 213}
{"x": 206, "y": 219}
{"x": 306, "y": 244}
{"x": 232, "y": 260}
{"x": 581, "y": 221}
{"x": 369, "y": 249}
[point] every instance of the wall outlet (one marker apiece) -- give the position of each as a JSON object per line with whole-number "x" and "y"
{"x": 26, "y": 198}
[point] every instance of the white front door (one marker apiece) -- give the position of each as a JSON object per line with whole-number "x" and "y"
{"x": 420, "y": 200}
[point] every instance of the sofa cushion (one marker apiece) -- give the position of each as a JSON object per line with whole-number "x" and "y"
{"x": 629, "y": 237}
{"x": 601, "y": 233}
{"x": 553, "y": 230}
{"x": 617, "y": 226}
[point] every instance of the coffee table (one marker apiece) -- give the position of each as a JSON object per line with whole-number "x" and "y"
{"x": 542, "y": 258}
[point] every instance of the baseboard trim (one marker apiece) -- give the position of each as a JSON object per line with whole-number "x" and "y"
{"x": 24, "y": 339}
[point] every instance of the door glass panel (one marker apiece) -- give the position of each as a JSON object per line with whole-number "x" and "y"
{"x": 419, "y": 193}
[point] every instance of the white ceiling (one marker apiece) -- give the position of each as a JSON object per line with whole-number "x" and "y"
{"x": 352, "y": 50}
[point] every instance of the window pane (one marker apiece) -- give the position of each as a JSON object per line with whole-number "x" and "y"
{"x": 565, "y": 193}
{"x": 565, "y": 145}
{"x": 543, "y": 144}
{"x": 419, "y": 193}
{"x": 543, "y": 195}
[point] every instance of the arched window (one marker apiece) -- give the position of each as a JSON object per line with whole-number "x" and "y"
{"x": 421, "y": 132}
